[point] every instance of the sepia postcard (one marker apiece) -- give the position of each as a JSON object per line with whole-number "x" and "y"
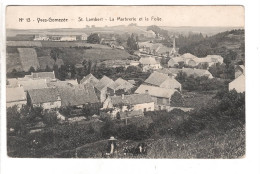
{"x": 150, "y": 82}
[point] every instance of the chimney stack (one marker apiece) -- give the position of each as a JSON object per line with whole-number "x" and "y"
{"x": 123, "y": 96}
{"x": 146, "y": 91}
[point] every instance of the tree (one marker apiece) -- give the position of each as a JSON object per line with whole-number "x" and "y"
{"x": 93, "y": 38}
{"x": 31, "y": 69}
{"x": 177, "y": 100}
{"x": 56, "y": 53}
{"x": 48, "y": 69}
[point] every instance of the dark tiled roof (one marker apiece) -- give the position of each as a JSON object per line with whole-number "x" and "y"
{"x": 89, "y": 79}
{"x": 103, "y": 83}
{"x": 77, "y": 95}
{"x": 43, "y": 95}
{"x": 156, "y": 78}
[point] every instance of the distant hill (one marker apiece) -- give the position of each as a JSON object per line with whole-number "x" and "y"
{"x": 120, "y": 29}
{"x": 229, "y": 44}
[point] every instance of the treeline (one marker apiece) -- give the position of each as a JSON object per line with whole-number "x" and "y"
{"x": 191, "y": 83}
{"x": 217, "y": 44}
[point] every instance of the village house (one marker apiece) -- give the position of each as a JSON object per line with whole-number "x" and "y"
{"x": 42, "y": 37}
{"x": 239, "y": 70}
{"x": 239, "y": 82}
{"x": 161, "y": 96}
{"x": 101, "y": 88}
{"x": 149, "y": 63}
{"x": 163, "y": 81}
{"x": 77, "y": 96}
{"x": 63, "y": 37}
{"x": 89, "y": 79}
{"x": 48, "y": 98}
{"x": 28, "y": 84}
{"x": 120, "y": 84}
{"x": 133, "y": 102}
{"x": 15, "y": 96}
{"x": 150, "y": 34}
{"x": 189, "y": 71}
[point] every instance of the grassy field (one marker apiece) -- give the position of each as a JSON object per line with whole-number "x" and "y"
{"x": 69, "y": 55}
{"x": 203, "y": 145}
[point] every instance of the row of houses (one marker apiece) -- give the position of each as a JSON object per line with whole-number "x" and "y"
{"x": 191, "y": 60}
{"x": 189, "y": 71}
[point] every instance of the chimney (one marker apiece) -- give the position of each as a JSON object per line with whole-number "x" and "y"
{"x": 146, "y": 91}
{"x": 170, "y": 75}
{"x": 123, "y": 96}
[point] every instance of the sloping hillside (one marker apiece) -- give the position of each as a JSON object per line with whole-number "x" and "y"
{"x": 230, "y": 45}
{"x": 23, "y": 58}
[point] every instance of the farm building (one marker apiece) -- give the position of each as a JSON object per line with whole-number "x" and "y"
{"x": 238, "y": 84}
{"x": 119, "y": 85}
{"x": 154, "y": 48}
{"x": 132, "y": 102}
{"x": 161, "y": 96}
{"x": 239, "y": 70}
{"x": 15, "y": 96}
{"x": 48, "y": 98}
{"x": 77, "y": 95}
{"x": 89, "y": 79}
{"x": 163, "y": 81}
{"x": 149, "y": 63}
{"x": 101, "y": 88}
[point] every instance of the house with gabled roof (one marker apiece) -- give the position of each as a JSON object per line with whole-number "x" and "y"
{"x": 238, "y": 83}
{"x": 90, "y": 79}
{"x": 133, "y": 102}
{"x": 162, "y": 80}
{"x": 239, "y": 70}
{"x": 15, "y": 96}
{"x": 77, "y": 95}
{"x": 101, "y": 87}
{"x": 120, "y": 84}
{"x": 149, "y": 63}
{"x": 48, "y": 98}
{"x": 161, "y": 96}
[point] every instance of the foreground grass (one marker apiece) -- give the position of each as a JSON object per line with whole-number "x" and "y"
{"x": 202, "y": 145}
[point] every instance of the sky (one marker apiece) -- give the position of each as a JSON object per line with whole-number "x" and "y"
{"x": 176, "y": 16}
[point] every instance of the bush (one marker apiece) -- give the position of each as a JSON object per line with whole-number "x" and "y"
{"x": 218, "y": 116}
